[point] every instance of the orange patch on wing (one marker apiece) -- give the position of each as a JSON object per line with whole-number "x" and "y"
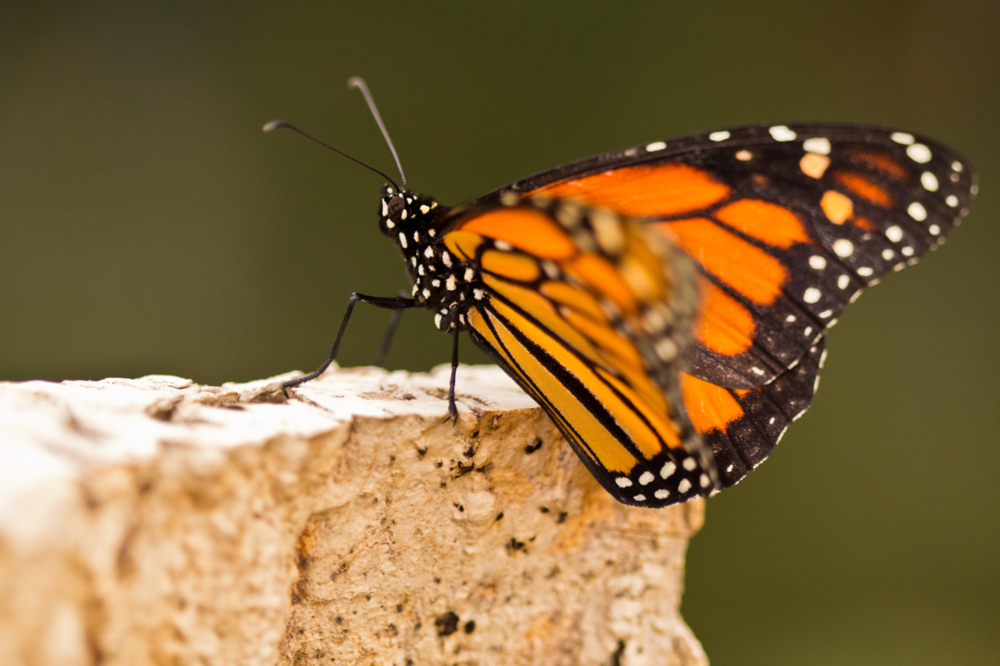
{"x": 610, "y": 342}
{"x": 864, "y": 224}
{"x": 881, "y": 162}
{"x": 573, "y": 297}
{"x": 837, "y": 207}
{"x": 814, "y": 165}
{"x": 542, "y": 310}
{"x": 644, "y": 191}
{"x": 723, "y": 325}
{"x": 767, "y": 222}
{"x": 511, "y": 265}
{"x": 523, "y": 228}
{"x": 462, "y": 244}
{"x": 709, "y": 407}
{"x": 599, "y": 273}
{"x": 865, "y": 188}
{"x": 746, "y": 268}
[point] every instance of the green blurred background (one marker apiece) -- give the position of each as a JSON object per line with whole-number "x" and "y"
{"x": 148, "y": 226}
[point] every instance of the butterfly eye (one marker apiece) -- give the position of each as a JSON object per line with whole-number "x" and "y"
{"x": 396, "y": 208}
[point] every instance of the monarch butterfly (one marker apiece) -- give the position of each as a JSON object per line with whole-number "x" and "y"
{"x": 666, "y": 304}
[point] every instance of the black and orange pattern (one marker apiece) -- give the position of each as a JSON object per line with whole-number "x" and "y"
{"x": 666, "y": 304}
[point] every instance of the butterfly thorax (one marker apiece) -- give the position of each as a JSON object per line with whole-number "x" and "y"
{"x": 441, "y": 282}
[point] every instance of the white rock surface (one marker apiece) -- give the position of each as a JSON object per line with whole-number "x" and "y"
{"x": 153, "y": 521}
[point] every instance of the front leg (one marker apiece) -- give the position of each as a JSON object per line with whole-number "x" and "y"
{"x": 389, "y": 303}
{"x": 452, "y": 406}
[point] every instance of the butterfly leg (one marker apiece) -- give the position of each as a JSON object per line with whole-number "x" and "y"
{"x": 390, "y": 332}
{"x": 389, "y": 303}
{"x": 452, "y": 406}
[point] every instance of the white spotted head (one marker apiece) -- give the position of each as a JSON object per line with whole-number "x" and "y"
{"x": 403, "y": 212}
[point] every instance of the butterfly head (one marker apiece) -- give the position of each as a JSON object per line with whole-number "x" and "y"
{"x": 403, "y": 211}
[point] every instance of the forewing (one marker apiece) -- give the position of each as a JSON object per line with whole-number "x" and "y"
{"x": 786, "y": 225}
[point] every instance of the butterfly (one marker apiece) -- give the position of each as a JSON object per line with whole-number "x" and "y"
{"x": 666, "y": 304}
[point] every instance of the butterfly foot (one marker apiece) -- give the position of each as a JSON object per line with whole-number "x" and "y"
{"x": 452, "y": 412}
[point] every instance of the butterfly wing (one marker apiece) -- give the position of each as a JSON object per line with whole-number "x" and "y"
{"x": 785, "y": 223}
{"x": 589, "y": 312}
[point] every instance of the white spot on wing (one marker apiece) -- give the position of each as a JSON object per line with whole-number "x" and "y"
{"x": 646, "y": 478}
{"x": 668, "y": 469}
{"x": 894, "y": 233}
{"x": 817, "y": 144}
{"x": 917, "y": 211}
{"x": 919, "y": 153}
{"x": 683, "y": 486}
{"x": 929, "y": 181}
{"x": 951, "y": 200}
{"x": 843, "y": 247}
{"x": 655, "y": 146}
{"x": 666, "y": 349}
{"x": 782, "y": 133}
{"x": 623, "y": 482}
{"x": 817, "y": 262}
{"x": 718, "y": 136}
{"x": 902, "y": 137}
{"x": 811, "y": 295}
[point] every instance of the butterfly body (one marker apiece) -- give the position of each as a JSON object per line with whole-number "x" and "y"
{"x": 666, "y": 304}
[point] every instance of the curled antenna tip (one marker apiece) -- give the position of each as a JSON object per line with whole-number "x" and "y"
{"x": 359, "y": 83}
{"x": 272, "y": 125}
{"x": 279, "y": 124}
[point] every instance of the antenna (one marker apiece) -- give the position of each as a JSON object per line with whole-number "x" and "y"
{"x": 359, "y": 83}
{"x": 279, "y": 124}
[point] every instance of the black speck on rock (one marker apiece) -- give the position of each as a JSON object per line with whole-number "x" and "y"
{"x": 446, "y": 624}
